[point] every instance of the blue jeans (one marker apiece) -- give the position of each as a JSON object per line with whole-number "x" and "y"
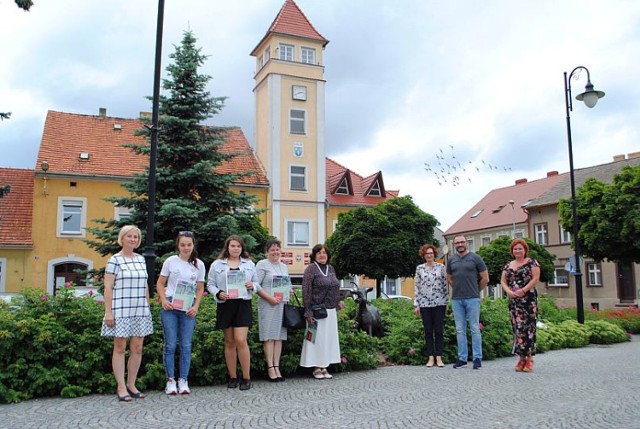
{"x": 176, "y": 325}
{"x": 467, "y": 310}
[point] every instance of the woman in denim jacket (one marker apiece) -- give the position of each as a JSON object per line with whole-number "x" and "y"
{"x": 234, "y": 314}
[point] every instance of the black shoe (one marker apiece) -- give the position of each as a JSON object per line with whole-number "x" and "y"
{"x": 233, "y": 383}
{"x": 477, "y": 363}
{"x": 274, "y": 379}
{"x": 245, "y": 384}
{"x": 460, "y": 364}
{"x": 281, "y": 378}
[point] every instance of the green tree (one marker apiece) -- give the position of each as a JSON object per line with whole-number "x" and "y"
{"x": 381, "y": 241}
{"x": 608, "y": 217}
{"x": 192, "y": 192}
{"x": 24, "y": 4}
{"x": 497, "y": 254}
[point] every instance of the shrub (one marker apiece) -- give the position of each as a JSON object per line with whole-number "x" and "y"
{"x": 604, "y": 332}
{"x": 576, "y": 335}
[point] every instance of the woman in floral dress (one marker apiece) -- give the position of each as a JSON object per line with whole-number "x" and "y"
{"x": 519, "y": 279}
{"x": 431, "y": 296}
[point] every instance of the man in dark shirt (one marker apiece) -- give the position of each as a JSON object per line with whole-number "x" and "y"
{"x": 467, "y": 274}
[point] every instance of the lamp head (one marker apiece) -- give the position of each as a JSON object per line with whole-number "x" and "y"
{"x": 44, "y": 166}
{"x": 590, "y": 96}
{"x": 512, "y": 202}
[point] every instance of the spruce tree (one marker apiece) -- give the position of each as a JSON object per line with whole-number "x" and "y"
{"x": 192, "y": 193}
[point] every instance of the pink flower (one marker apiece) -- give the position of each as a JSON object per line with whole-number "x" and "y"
{"x": 206, "y": 293}
{"x": 44, "y": 297}
{"x": 343, "y": 359}
{"x": 90, "y": 293}
{"x": 157, "y": 299}
{"x": 340, "y": 305}
{"x": 67, "y": 285}
{"x": 481, "y": 325}
{"x": 412, "y": 351}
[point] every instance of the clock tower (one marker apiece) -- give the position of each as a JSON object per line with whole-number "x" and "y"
{"x": 290, "y": 132}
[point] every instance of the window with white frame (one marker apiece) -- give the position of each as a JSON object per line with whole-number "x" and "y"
{"x": 297, "y": 121}
{"x": 375, "y": 190}
{"x": 541, "y": 233}
{"x": 72, "y": 217}
{"x": 308, "y": 55}
{"x": 3, "y": 274}
{"x": 565, "y": 236}
{"x": 486, "y": 240}
{"x": 343, "y": 188}
{"x": 594, "y": 273}
{"x": 298, "y": 232}
{"x": 560, "y": 277}
{"x": 391, "y": 286}
{"x": 471, "y": 246}
{"x": 286, "y": 52}
{"x": 519, "y": 234}
{"x": 335, "y": 225}
{"x": 267, "y": 54}
{"x": 297, "y": 178}
{"x": 259, "y": 63}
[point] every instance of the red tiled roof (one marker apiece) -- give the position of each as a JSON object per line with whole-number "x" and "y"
{"x": 67, "y": 135}
{"x": 335, "y": 174}
{"x": 16, "y": 207}
{"x": 293, "y": 22}
{"x": 493, "y": 215}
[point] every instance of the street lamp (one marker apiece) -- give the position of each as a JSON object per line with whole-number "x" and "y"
{"x": 590, "y": 98}
{"x": 149, "y": 253}
{"x": 513, "y": 209}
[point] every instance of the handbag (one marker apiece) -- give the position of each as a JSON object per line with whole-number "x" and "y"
{"x": 293, "y": 316}
{"x": 319, "y": 311}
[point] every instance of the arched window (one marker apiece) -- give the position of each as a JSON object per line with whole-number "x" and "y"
{"x": 70, "y": 272}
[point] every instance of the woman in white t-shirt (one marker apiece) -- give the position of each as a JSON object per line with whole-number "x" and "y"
{"x": 180, "y": 287}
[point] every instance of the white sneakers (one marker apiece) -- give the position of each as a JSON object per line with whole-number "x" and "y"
{"x": 171, "y": 389}
{"x": 183, "y": 387}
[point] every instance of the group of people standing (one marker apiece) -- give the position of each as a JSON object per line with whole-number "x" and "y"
{"x": 128, "y": 316}
{"x": 467, "y": 274}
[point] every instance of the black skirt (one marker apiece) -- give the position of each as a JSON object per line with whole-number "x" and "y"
{"x": 234, "y": 313}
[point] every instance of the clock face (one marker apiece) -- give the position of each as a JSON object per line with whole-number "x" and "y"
{"x": 299, "y": 92}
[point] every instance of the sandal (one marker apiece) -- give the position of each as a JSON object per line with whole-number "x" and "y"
{"x": 275, "y": 379}
{"x": 326, "y": 374}
{"x": 280, "y": 377}
{"x": 137, "y": 395}
{"x": 125, "y": 398}
{"x": 317, "y": 374}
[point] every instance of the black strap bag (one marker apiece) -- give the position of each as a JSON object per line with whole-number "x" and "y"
{"x": 293, "y": 315}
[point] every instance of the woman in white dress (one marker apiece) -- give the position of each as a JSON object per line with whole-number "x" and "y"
{"x": 270, "y": 309}
{"x": 126, "y": 310}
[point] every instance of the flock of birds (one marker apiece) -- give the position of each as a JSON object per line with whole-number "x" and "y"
{"x": 450, "y": 170}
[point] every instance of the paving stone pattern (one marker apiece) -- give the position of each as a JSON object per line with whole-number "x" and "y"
{"x": 591, "y": 387}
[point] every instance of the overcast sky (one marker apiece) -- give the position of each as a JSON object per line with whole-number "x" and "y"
{"x": 411, "y": 84}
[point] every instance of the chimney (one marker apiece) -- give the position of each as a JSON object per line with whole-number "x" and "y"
{"x": 552, "y": 173}
{"x": 617, "y": 158}
{"x": 102, "y": 112}
{"x": 633, "y": 155}
{"x": 521, "y": 181}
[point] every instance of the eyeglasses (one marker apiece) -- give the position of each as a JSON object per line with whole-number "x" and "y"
{"x": 185, "y": 234}
{"x": 459, "y": 242}
{"x": 428, "y": 253}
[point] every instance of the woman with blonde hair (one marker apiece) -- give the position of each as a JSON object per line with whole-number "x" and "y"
{"x": 126, "y": 310}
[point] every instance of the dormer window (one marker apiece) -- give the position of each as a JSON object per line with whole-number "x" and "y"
{"x": 286, "y": 52}
{"x": 476, "y": 214}
{"x": 497, "y": 209}
{"x": 375, "y": 190}
{"x": 343, "y": 188}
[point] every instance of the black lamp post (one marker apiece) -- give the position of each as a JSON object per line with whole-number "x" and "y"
{"x": 590, "y": 98}
{"x": 149, "y": 253}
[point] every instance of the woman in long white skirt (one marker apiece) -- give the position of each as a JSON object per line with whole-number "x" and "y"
{"x": 321, "y": 286}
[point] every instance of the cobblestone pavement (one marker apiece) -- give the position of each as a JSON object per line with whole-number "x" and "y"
{"x": 591, "y": 387}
